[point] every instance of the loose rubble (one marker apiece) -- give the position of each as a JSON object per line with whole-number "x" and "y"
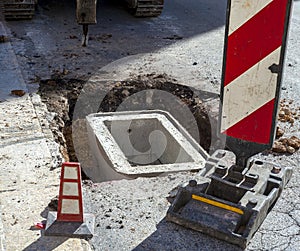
{"x": 60, "y": 95}
{"x": 3, "y": 39}
{"x": 19, "y": 93}
{"x": 287, "y": 145}
{"x": 287, "y": 114}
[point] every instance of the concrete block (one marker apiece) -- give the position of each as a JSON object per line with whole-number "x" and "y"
{"x": 127, "y": 145}
{"x": 70, "y": 229}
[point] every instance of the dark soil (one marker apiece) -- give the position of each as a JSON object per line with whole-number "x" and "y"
{"x": 61, "y": 95}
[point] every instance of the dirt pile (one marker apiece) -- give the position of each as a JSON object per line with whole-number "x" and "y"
{"x": 287, "y": 115}
{"x": 61, "y": 95}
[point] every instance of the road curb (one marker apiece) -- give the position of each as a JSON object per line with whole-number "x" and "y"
{"x": 2, "y": 237}
{"x": 27, "y": 153}
{"x": 9, "y": 67}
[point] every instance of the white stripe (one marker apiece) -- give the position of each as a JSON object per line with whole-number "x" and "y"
{"x": 243, "y": 10}
{"x": 70, "y": 188}
{"x": 250, "y": 91}
{"x": 70, "y": 173}
{"x": 70, "y": 206}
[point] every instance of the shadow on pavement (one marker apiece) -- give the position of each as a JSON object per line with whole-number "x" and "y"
{"x": 46, "y": 243}
{"x": 170, "y": 236}
{"x": 128, "y": 35}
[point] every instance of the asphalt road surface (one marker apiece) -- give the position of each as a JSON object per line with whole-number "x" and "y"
{"x": 188, "y": 35}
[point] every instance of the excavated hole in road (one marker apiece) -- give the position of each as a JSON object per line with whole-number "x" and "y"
{"x": 60, "y": 96}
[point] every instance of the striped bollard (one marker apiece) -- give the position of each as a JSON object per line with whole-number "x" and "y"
{"x": 69, "y": 220}
{"x": 255, "y": 42}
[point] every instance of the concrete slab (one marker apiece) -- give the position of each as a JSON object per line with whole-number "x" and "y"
{"x": 140, "y": 143}
{"x": 2, "y": 237}
{"x": 10, "y": 73}
{"x": 26, "y": 183}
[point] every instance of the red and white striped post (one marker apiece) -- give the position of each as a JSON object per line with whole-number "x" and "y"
{"x": 70, "y": 206}
{"x": 255, "y": 41}
{"x": 70, "y": 220}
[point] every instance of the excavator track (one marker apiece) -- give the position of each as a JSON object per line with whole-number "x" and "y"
{"x": 18, "y": 9}
{"x": 148, "y": 8}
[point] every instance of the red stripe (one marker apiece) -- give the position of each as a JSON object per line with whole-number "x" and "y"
{"x": 71, "y": 164}
{"x": 255, "y": 39}
{"x": 256, "y": 127}
{"x": 71, "y": 217}
{"x": 71, "y": 197}
{"x": 70, "y": 180}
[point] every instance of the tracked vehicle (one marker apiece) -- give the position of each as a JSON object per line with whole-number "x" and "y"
{"x": 85, "y": 11}
{"x": 24, "y": 9}
{"x": 146, "y": 8}
{"x": 18, "y": 9}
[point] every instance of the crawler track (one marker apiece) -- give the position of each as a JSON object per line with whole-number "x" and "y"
{"x": 148, "y": 8}
{"x": 18, "y": 9}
